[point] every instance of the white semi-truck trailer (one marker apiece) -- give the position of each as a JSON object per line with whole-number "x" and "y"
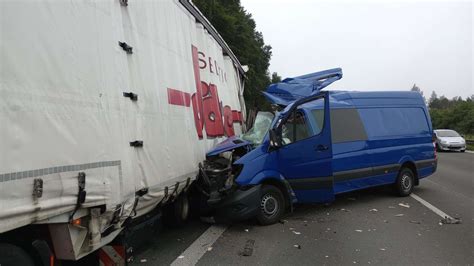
{"x": 106, "y": 109}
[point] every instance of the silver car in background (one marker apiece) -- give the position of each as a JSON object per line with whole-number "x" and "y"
{"x": 449, "y": 140}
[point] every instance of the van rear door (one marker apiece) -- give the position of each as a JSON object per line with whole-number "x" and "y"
{"x": 305, "y": 157}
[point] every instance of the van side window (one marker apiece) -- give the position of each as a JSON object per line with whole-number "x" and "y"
{"x": 346, "y": 126}
{"x": 295, "y": 128}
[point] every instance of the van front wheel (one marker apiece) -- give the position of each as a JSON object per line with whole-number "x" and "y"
{"x": 405, "y": 182}
{"x": 272, "y": 205}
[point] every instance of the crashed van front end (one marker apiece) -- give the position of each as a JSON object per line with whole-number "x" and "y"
{"x": 228, "y": 199}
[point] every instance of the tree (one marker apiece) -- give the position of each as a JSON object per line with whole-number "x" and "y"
{"x": 417, "y": 89}
{"x": 457, "y": 114}
{"x": 237, "y": 28}
{"x": 275, "y": 78}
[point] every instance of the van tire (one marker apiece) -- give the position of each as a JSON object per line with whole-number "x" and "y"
{"x": 11, "y": 255}
{"x": 271, "y": 205}
{"x": 405, "y": 182}
{"x": 177, "y": 213}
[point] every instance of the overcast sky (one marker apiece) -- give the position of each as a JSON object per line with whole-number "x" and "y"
{"x": 379, "y": 46}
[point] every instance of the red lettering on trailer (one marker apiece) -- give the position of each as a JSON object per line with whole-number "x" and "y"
{"x": 176, "y": 97}
{"x": 209, "y": 113}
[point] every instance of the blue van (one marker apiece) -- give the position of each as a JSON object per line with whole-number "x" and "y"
{"x": 319, "y": 144}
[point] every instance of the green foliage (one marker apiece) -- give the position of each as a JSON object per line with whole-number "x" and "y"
{"x": 237, "y": 28}
{"x": 457, "y": 114}
{"x": 275, "y": 78}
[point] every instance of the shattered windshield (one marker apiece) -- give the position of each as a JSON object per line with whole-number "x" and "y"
{"x": 260, "y": 128}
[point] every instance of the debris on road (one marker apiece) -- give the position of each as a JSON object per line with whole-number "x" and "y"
{"x": 180, "y": 256}
{"x": 404, "y": 205}
{"x": 143, "y": 260}
{"x": 373, "y": 210}
{"x": 246, "y": 230}
{"x": 391, "y": 207}
{"x": 248, "y": 249}
{"x": 358, "y": 230}
{"x": 296, "y": 233}
{"x": 209, "y": 249}
{"x": 449, "y": 220}
{"x": 399, "y": 215}
{"x": 283, "y": 221}
{"x": 382, "y": 249}
{"x": 415, "y": 222}
{"x": 297, "y": 246}
{"x": 344, "y": 210}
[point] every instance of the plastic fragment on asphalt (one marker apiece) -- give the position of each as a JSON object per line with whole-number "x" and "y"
{"x": 246, "y": 230}
{"x": 382, "y": 249}
{"x": 373, "y": 210}
{"x": 180, "y": 257}
{"x": 327, "y": 256}
{"x": 385, "y": 221}
{"x": 297, "y": 246}
{"x": 143, "y": 260}
{"x": 404, "y": 205}
{"x": 358, "y": 230}
{"x": 415, "y": 222}
{"x": 399, "y": 215}
{"x": 209, "y": 248}
{"x": 391, "y": 207}
{"x": 449, "y": 220}
{"x": 296, "y": 233}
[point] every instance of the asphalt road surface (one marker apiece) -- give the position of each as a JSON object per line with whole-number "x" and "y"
{"x": 364, "y": 227}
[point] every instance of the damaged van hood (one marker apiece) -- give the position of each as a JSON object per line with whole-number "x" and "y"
{"x": 229, "y": 144}
{"x": 292, "y": 89}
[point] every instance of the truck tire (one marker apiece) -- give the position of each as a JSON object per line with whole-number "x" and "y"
{"x": 405, "y": 182}
{"x": 271, "y": 206}
{"x": 11, "y": 255}
{"x": 177, "y": 213}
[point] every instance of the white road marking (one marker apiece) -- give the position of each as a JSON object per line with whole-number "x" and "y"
{"x": 200, "y": 246}
{"x": 431, "y": 207}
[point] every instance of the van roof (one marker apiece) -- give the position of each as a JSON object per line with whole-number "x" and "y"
{"x": 350, "y": 99}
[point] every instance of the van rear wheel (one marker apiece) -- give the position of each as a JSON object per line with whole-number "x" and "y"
{"x": 405, "y": 182}
{"x": 272, "y": 205}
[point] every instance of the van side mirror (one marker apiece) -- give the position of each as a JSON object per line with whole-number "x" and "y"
{"x": 275, "y": 138}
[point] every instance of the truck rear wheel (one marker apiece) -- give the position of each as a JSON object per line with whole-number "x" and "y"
{"x": 272, "y": 205}
{"x": 405, "y": 182}
{"x": 177, "y": 213}
{"x": 11, "y": 255}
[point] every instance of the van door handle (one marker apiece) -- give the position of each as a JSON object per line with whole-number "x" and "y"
{"x": 322, "y": 147}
